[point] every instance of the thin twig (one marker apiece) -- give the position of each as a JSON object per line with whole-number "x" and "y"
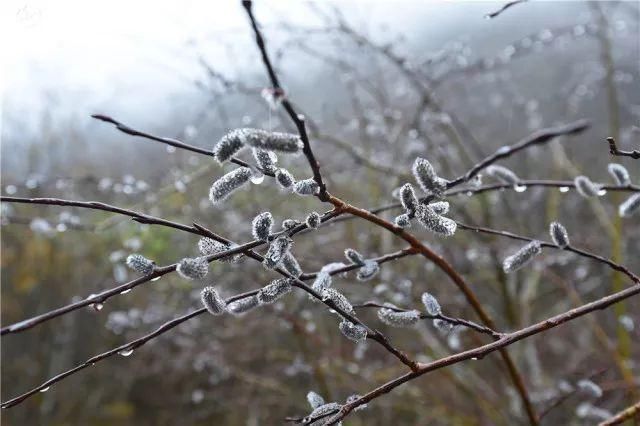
{"x": 613, "y": 149}
{"x": 503, "y": 8}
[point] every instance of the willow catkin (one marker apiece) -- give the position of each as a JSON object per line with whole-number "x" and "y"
{"x": 266, "y": 160}
{"x": 284, "y": 178}
{"x": 314, "y": 400}
{"x": 369, "y": 269}
{"x": 354, "y": 257}
{"x": 427, "y": 178}
{"x": 140, "y": 264}
{"x": 193, "y": 268}
{"x": 313, "y": 220}
{"x": 398, "y": 319}
{"x": 352, "y": 331}
{"x": 434, "y": 222}
{"x": 261, "y": 226}
{"x": 243, "y": 305}
{"x": 523, "y": 256}
{"x": 408, "y": 198}
{"x": 630, "y": 206}
{"x": 212, "y": 301}
{"x": 431, "y": 304}
{"x": 619, "y": 173}
{"x": 274, "y": 291}
{"x": 503, "y": 174}
{"x": 585, "y": 187}
{"x": 559, "y": 234}
{"x": 228, "y": 184}
{"x": 306, "y": 187}
{"x": 229, "y": 145}
{"x": 276, "y": 252}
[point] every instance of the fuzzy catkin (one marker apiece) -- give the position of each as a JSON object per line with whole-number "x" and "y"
{"x": 402, "y": 221}
{"x": 193, "y": 268}
{"x": 338, "y": 299}
{"x": 140, "y": 264}
{"x": 314, "y": 400}
{"x": 559, "y": 234}
{"x": 434, "y": 222}
{"x": 352, "y": 331}
{"x": 431, "y": 304}
{"x": 290, "y": 223}
{"x": 265, "y": 160}
{"x": 503, "y": 174}
{"x": 370, "y": 269}
{"x": 273, "y": 141}
{"x": 261, "y": 226}
{"x": 630, "y": 206}
{"x": 321, "y": 283}
{"x": 306, "y": 187}
{"x": 323, "y": 414}
{"x": 229, "y": 183}
{"x": 398, "y": 319}
{"x": 208, "y": 246}
{"x": 523, "y": 256}
{"x": 427, "y": 178}
{"x": 291, "y": 265}
{"x": 408, "y": 198}
{"x": 353, "y": 256}
{"x": 440, "y": 207}
{"x": 212, "y": 301}
{"x": 619, "y": 173}
{"x": 585, "y": 187}
{"x": 243, "y": 305}
{"x": 229, "y": 145}
{"x": 274, "y": 291}
{"x": 284, "y": 178}
{"x": 313, "y": 220}
{"x": 276, "y": 252}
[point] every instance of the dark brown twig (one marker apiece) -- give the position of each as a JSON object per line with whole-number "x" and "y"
{"x": 503, "y": 8}
{"x": 613, "y": 150}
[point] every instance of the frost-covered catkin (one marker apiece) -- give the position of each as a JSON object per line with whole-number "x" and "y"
{"x": 354, "y": 257}
{"x": 292, "y": 266}
{"x": 276, "y": 252}
{"x": 314, "y": 400}
{"x": 503, "y": 174}
{"x": 265, "y": 160}
{"x": 431, "y": 304}
{"x": 398, "y": 319}
{"x": 212, "y": 301}
{"x": 434, "y": 222}
{"x": 443, "y": 326}
{"x": 290, "y": 223}
{"x": 321, "y": 283}
{"x": 284, "y": 178}
{"x": 273, "y": 141}
{"x": 193, "y": 268}
{"x": 306, "y": 187}
{"x": 229, "y": 183}
{"x": 559, "y": 234}
{"x": 440, "y": 207}
{"x": 369, "y": 269}
{"x": 585, "y": 187}
{"x": 427, "y": 178}
{"x": 408, "y": 198}
{"x": 140, "y": 264}
{"x": 261, "y": 226}
{"x": 243, "y": 305}
{"x": 521, "y": 257}
{"x": 338, "y": 299}
{"x": 630, "y": 206}
{"x": 274, "y": 291}
{"x": 229, "y": 145}
{"x": 590, "y": 388}
{"x": 352, "y": 331}
{"x": 619, "y": 173}
{"x": 313, "y": 220}
{"x": 402, "y": 221}
{"x": 323, "y": 415}
{"x": 208, "y": 246}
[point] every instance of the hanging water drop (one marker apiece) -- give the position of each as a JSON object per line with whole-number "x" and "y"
{"x": 125, "y": 291}
{"x": 156, "y": 279}
{"x": 602, "y": 192}
{"x": 563, "y": 189}
{"x": 44, "y": 389}
{"x": 257, "y": 177}
{"x": 126, "y": 352}
{"x": 98, "y": 306}
{"x": 520, "y": 188}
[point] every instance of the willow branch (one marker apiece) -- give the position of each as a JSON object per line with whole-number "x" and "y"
{"x": 626, "y": 414}
{"x": 613, "y": 149}
{"x": 503, "y": 8}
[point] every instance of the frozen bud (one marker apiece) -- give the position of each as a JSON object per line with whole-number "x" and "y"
{"x": 619, "y": 173}
{"x": 398, "y": 319}
{"x": 208, "y": 246}
{"x": 314, "y": 400}
{"x": 265, "y": 160}
{"x": 630, "y": 206}
{"x": 521, "y": 257}
{"x": 322, "y": 415}
{"x": 274, "y": 291}
{"x": 440, "y": 207}
{"x": 426, "y": 176}
{"x": 353, "y": 256}
{"x": 585, "y": 187}
{"x": 229, "y": 145}
{"x": 313, "y": 220}
{"x": 408, "y": 198}
{"x": 352, "y": 331}
{"x": 434, "y": 222}
{"x": 290, "y": 223}
{"x": 273, "y": 141}
{"x": 369, "y": 269}
{"x": 193, "y": 268}
{"x": 442, "y": 325}
{"x": 284, "y": 178}
{"x": 590, "y": 388}
{"x": 140, "y": 264}
{"x": 291, "y": 265}
{"x": 243, "y": 305}
{"x": 212, "y": 301}
{"x": 559, "y": 234}
{"x": 431, "y": 304}
{"x": 306, "y": 187}
{"x": 403, "y": 221}
{"x": 321, "y": 283}
{"x": 276, "y": 252}
{"x": 503, "y": 174}
{"x": 227, "y": 184}
{"x": 338, "y": 299}
{"x": 261, "y": 226}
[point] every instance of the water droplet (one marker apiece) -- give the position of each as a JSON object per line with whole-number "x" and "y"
{"x": 257, "y": 177}
{"x": 602, "y": 192}
{"x": 469, "y": 193}
{"x": 126, "y": 352}
{"x": 520, "y": 188}
{"x": 125, "y": 291}
{"x": 474, "y": 358}
{"x": 97, "y": 306}
{"x": 171, "y": 149}
{"x": 44, "y": 389}
{"x": 563, "y": 189}
{"x": 156, "y": 279}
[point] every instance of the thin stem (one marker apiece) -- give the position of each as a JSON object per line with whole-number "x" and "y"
{"x": 613, "y": 149}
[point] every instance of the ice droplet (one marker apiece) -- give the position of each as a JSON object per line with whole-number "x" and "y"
{"x": 520, "y": 188}
{"x": 126, "y": 352}
{"x": 44, "y": 389}
{"x": 563, "y": 189}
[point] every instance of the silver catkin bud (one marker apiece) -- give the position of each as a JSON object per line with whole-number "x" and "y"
{"x": 284, "y": 178}
{"x": 314, "y": 400}
{"x": 352, "y": 331}
{"x": 273, "y": 141}
{"x": 427, "y": 178}
{"x": 290, "y": 223}
{"x": 274, "y": 291}
{"x": 559, "y": 234}
{"x": 229, "y": 183}
{"x": 291, "y": 265}
{"x": 243, "y": 305}
{"x": 140, "y": 264}
{"x": 619, "y": 173}
{"x": 261, "y": 226}
{"x": 503, "y": 174}
{"x": 306, "y": 187}
{"x": 521, "y": 257}
{"x": 369, "y": 269}
{"x": 431, "y": 304}
{"x": 585, "y": 187}
{"x": 434, "y": 222}
{"x": 320, "y": 284}
{"x": 630, "y": 206}
{"x": 324, "y": 415}
{"x": 265, "y": 160}
{"x": 408, "y": 198}
{"x": 212, "y": 301}
{"x": 354, "y": 257}
{"x": 193, "y": 268}
{"x": 398, "y": 319}
{"x": 208, "y": 246}
{"x": 440, "y": 207}
{"x": 590, "y": 388}
{"x": 338, "y": 299}
{"x": 229, "y": 145}
{"x": 276, "y": 252}
{"x": 402, "y": 221}
{"x": 313, "y": 220}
